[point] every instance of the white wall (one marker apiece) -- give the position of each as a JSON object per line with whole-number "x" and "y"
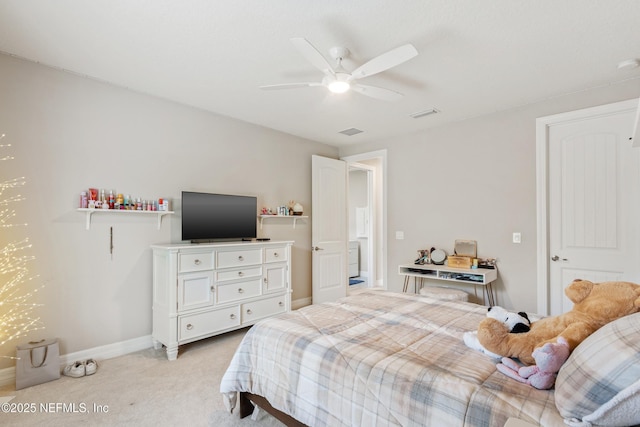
{"x": 475, "y": 179}
{"x": 70, "y": 133}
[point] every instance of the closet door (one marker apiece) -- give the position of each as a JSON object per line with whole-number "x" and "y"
{"x": 593, "y": 201}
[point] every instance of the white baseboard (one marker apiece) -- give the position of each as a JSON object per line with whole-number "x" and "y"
{"x": 109, "y": 351}
{"x": 8, "y": 375}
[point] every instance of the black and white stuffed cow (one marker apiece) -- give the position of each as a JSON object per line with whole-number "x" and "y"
{"x": 516, "y": 322}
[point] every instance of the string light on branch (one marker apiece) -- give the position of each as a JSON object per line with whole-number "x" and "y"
{"x": 16, "y": 306}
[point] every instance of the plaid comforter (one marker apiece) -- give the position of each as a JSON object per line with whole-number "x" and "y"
{"x": 381, "y": 359}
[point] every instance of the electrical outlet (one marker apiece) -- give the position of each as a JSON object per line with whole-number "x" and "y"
{"x": 399, "y": 235}
{"x": 517, "y": 238}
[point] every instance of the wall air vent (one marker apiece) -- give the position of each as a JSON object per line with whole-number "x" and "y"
{"x": 423, "y": 113}
{"x": 351, "y": 131}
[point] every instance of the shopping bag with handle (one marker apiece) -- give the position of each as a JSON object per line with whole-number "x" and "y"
{"x": 38, "y": 362}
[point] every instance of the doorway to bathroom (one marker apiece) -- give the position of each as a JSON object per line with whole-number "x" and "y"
{"x": 365, "y": 202}
{"x": 359, "y": 208}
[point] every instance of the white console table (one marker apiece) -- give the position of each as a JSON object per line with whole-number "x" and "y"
{"x": 475, "y": 277}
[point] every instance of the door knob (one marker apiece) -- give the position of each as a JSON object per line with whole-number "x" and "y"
{"x": 557, "y": 258}
{"x": 316, "y": 248}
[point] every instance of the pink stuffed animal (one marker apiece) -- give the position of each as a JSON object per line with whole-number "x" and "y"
{"x": 549, "y": 358}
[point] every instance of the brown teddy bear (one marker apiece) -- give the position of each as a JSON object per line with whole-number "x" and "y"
{"x": 594, "y": 305}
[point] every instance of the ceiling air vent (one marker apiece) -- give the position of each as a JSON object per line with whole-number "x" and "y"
{"x": 423, "y": 113}
{"x": 350, "y": 132}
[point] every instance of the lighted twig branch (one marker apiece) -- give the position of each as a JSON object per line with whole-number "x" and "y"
{"x": 16, "y": 308}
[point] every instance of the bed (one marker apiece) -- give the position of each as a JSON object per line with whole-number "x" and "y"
{"x": 380, "y": 358}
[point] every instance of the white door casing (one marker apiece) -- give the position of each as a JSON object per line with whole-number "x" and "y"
{"x": 592, "y": 190}
{"x": 329, "y": 229}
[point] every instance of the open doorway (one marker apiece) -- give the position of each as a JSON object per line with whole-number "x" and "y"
{"x": 359, "y": 205}
{"x": 367, "y": 224}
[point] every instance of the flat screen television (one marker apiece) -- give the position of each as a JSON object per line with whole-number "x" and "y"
{"x": 208, "y": 217}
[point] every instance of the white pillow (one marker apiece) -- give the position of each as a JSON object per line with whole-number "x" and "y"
{"x": 599, "y": 385}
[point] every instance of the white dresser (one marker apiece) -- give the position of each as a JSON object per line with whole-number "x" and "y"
{"x": 201, "y": 290}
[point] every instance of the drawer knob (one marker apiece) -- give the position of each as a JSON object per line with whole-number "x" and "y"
{"x": 240, "y": 273}
{"x": 276, "y": 254}
{"x": 197, "y": 262}
{"x": 281, "y": 304}
{"x": 240, "y": 290}
{"x": 189, "y": 327}
{"x": 240, "y": 258}
{"x": 213, "y": 288}
{"x": 249, "y": 311}
{"x": 232, "y": 316}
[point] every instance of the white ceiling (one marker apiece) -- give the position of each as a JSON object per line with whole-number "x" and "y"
{"x": 475, "y": 57}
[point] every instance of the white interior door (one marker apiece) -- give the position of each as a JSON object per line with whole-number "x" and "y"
{"x": 329, "y": 229}
{"x": 593, "y": 202}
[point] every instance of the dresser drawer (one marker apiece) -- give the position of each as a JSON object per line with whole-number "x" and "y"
{"x": 239, "y": 258}
{"x": 238, "y": 273}
{"x": 195, "y": 325}
{"x": 275, "y": 254}
{"x": 239, "y": 290}
{"x": 256, "y": 310}
{"x": 195, "y": 261}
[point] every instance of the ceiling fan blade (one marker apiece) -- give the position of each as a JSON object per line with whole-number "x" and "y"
{"x": 377, "y": 92}
{"x": 385, "y": 61}
{"x": 312, "y": 54}
{"x": 290, "y": 86}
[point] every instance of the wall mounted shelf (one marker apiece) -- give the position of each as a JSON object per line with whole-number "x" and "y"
{"x": 90, "y": 212}
{"x": 295, "y": 218}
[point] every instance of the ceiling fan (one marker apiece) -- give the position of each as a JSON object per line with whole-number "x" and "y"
{"x": 339, "y": 80}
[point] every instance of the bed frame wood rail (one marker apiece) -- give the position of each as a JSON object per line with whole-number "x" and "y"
{"x": 248, "y": 400}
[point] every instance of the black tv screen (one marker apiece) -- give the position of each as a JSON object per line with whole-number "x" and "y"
{"x": 210, "y": 217}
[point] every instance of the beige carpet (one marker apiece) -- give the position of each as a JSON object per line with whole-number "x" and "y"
{"x": 141, "y": 389}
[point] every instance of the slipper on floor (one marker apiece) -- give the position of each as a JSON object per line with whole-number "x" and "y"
{"x": 75, "y": 370}
{"x": 91, "y": 366}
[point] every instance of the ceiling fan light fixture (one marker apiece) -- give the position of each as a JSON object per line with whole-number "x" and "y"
{"x": 338, "y": 83}
{"x": 338, "y": 80}
{"x": 339, "y": 86}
